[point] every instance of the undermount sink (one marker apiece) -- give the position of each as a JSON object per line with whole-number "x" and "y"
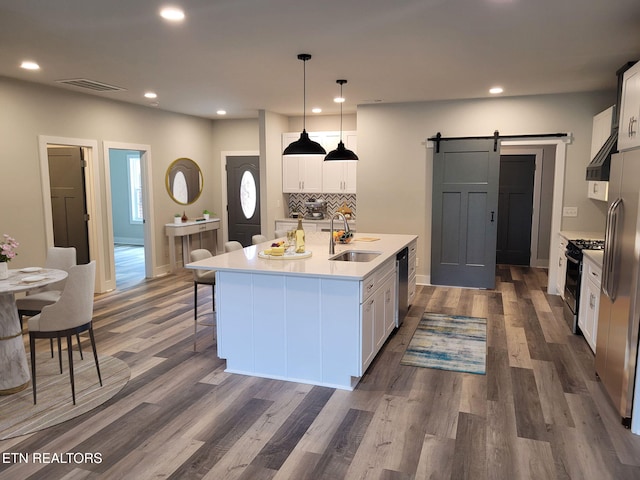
{"x": 355, "y": 256}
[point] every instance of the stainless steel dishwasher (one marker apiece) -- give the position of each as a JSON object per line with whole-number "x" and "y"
{"x": 402, "y": 271}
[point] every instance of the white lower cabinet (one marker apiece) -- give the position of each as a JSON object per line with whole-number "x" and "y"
{"x": 589, "y": 301}
{"x": 562, "y": 266}
{"x": 411, "y": 290}
{"x": 377, "y": 311}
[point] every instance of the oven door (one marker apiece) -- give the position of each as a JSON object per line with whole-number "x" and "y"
{"x": 572, "y": 291}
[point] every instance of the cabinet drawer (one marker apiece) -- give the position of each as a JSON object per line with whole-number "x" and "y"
{"x": 411, "y": 292}
{"x": 372, "y": 281}
{"x": 592, "y": 272}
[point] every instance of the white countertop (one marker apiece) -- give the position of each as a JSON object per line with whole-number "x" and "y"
{"x": 596, "y": 256}
{"x": 318, "y": 265}
{"x": 577, "y": 234}
{"x": 191, "y": 222}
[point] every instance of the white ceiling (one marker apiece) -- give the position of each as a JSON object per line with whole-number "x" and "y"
{"x": 241, "y": 55}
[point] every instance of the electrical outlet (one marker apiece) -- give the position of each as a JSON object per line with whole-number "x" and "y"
{"x": 570, "y": 212}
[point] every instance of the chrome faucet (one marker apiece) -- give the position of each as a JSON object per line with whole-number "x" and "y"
{"x": 332, "y": 242}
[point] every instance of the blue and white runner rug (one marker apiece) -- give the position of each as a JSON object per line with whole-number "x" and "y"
{"x": 449, "y": 342}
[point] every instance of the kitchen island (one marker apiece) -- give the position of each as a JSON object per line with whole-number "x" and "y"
{"x": 312, "y": 320}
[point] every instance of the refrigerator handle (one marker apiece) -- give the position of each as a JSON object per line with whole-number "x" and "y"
{"x": 611, "y": 248}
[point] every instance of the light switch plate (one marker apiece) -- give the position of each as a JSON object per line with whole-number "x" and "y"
{"x": 570, "y": 212}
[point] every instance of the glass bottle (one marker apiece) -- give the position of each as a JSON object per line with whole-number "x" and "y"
{"x": 299, "y": 237}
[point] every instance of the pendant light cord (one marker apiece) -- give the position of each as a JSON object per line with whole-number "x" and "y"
{"x": 304, "y": 94}
{"x": 341, "y": 112}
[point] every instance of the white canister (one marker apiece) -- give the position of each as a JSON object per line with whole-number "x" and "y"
{"x": 177, "y": 220}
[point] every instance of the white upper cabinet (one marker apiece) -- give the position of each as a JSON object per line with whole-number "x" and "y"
{"x": 340, "y": 177}
{"x": 301, "y": 173}
{"x": 311, "y": 174}
{"x": 628, "y": 136}
{"x": 600, "y": 133}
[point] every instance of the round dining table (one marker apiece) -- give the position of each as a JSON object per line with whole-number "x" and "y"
{"x": 14, "y": 367}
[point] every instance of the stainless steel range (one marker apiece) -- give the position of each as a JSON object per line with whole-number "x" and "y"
{"x": 573, "y": 254}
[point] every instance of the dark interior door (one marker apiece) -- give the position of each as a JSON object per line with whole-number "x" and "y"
{"x": 515, "y": 204}
{"x": 465, "y": 213}
{"x": 243, "y": 198}
{"x": 68, "y": 200}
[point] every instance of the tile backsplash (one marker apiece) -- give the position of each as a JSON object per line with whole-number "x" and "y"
{"x": 334, "y": 201}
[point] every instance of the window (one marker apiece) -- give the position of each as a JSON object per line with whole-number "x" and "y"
{"x": 135, "y": 188}
{"x": 248, "y": 198}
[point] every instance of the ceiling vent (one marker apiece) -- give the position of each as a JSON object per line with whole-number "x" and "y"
{"x": 90, "y": 85}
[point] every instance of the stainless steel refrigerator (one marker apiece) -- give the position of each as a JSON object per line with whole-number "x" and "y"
{"x": 618, "y": 320}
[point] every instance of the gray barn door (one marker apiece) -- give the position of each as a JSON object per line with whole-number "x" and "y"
{"x": 465, "y": 213}
{"x": 517, "y": 175}
{"x": 68, "y": 200}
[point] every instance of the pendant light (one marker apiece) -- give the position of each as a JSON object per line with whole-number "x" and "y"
{"x": 304, "y": 145}
{"x": 341, "y": 153}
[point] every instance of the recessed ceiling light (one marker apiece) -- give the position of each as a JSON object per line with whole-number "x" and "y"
{"x": 495, "y": 90}
{"x": 316, "y": 110}
{"x": 339, "y": 99}
{"x": 151, "y": 95}
{"x": 27, "y": 65}
{"x": 221, "y": 112}
{"x": 172, "y": 14}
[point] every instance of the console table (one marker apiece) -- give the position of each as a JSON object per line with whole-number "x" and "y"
{"x": 185, "y": 230}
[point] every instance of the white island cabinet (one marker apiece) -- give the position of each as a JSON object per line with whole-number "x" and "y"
{"x": 311, "y": 320}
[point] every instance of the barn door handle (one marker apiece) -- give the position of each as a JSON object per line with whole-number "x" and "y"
{"x": 492, "y": 213}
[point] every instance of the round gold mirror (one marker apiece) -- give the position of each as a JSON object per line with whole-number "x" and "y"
{"x": 184, "y": 181}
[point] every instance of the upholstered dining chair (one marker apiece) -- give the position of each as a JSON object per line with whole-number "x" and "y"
{"x": 280, "y": 233}
{"x": 202, "y": 277}
{"x": 256, "y": 239}
{"x": 232, "y": 245}
{"x": 70, "y": 315}
{"x": 60, "y": 258}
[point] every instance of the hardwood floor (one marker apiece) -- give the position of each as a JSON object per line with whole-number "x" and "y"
{"x": 538, "y": 413}
{"x": 129, "y": 263}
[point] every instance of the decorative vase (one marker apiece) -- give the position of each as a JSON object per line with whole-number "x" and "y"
{"x": 184, "y": 217}
{"x": 4, "y": 270}
{"x": 177, "y": 220}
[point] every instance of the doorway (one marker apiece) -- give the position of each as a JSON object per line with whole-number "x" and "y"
{"x": 515, "y": 209}
{"x": 243, "y": 198}
{"x": 127, "y": 216}
{"x": 132, "y": 179}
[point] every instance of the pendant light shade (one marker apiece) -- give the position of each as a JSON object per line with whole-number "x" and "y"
{"x": 304, "y": 145}
{"x": 341, "y": 154}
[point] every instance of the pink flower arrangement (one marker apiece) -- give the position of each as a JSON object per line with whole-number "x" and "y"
{"x": 8, "y": 248}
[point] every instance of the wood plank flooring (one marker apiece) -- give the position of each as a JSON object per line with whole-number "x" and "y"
{"x": 538, "y": 413}
{"x": 129, "y": 264}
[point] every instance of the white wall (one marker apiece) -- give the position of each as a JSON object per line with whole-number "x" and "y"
{"x": 29, "y": 110}
{"x": 394, "y": 171}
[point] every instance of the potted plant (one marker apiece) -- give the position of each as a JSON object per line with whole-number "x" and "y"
{"x": 177, "y": 218}
{"x": 206, "y": 214}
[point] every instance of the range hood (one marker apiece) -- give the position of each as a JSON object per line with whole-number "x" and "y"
{"x": 598, "y": 168}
